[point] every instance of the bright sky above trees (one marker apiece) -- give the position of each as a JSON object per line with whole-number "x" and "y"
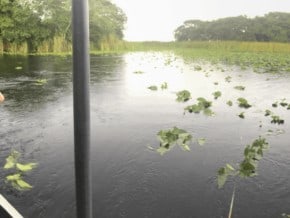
{"x": 157, "y": 19}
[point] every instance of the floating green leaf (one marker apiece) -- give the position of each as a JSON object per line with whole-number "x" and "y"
{"x": 201, "y": 141}
{"x": 197, "y": 68}
{"x": 23, "y": 185}
{"x": 164, "y": 85}
{"x": 268, "y": 113}
{"x": 241, "y": 115}
{"x": 284, "y": 104}
{"x": 217, "y": 94}
{"x": 223, "y": 174}
{"x": 138, "y": 72}
{"x": 25, "y": 167}
{"x": 153, "y": 88}
{"x": 230, "y": 103}
{"x": 228, "y": 79}
{"x": 183, "y": 96}
{"x": 275, "y": 104}
{"x": 11, "y": 160}
{"x": 208, "y": 112}
{"x": 13, "y": 177}
{"x": 243, "y": 103}
{"x": 241, "y": 88}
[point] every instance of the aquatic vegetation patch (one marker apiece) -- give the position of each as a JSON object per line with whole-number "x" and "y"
{"x": 164, "y": 86}
{"x": 16, "y": 178}
{"x": 202, "y": 105}
{"x": 248, "y": 167}
{"x": 201, "y": 141}
{"x": 277, "y": 120}
{"x": 275, "y": 104}
{"x": 153, "y": 88}
{"x": 138, "y": 72}
{"x": 268, "y": 113}
{"x": 243, "y": 103}
{"x": 230, "y": 103}
{"x": 242, "y": 115}
{"x": 183, "y": 96}
{"x": 217, "y": 94}
{"x": 197, "y": 68}
{"x": 169, "y": 138}
{"x": 228, "y": 79}
{"x": 241, "y": 88}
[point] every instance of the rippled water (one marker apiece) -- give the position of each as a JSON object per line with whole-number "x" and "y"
{"x": 129, "y": 180}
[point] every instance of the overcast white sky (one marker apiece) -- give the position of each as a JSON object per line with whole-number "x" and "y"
{"x": 157, "y": 19}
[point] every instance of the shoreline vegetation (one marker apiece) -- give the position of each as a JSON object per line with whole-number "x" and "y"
{"x": 269, "y": 56}
{"x": 60, "y": 46}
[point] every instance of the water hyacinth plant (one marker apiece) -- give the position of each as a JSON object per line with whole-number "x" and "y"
{"x": 243, "y": 103}
{"x": 202, "y": 105}
{"x": 248, "y": 167}
{"x": 169, "y": 138}
{"x": 16, "y": 178}
{"x": 183, "y": 96}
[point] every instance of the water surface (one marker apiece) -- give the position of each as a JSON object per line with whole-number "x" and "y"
{"x": 130, "y": 180}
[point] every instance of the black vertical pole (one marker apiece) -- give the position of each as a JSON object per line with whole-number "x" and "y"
{"x": 81, "y": 77}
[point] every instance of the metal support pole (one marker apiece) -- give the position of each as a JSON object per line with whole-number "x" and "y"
{"x": 81, "y": 78}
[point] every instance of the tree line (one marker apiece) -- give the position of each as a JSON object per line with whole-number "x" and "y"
{"x": 33, "y": 22}
{"x": 274, "y": 26}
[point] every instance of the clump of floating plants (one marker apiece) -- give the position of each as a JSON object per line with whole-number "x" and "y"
{"x": 183, "y": 96}
{"x": 241, "y": 88}
{"x": 19, "y": 169}
{"x": 243, "y": 103}
{"x": 248, "y": 167}
{"x": 153, "y": 88}
{"x": 242, "y": 115}
{"x": 217, "y": 94}
{"x": 168, "y": 138}
{"x": 228, "y": 79}
{"x": 276, "y": 119}
{"x": 202, "y": 105}
{"x": 230, "y": 103}
{"x": 164, "y": 85}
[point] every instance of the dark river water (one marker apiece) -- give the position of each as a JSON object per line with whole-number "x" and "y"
{"x": 129, "y": 179}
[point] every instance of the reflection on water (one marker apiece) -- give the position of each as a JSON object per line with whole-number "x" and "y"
{"x": 128, "y": 179}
